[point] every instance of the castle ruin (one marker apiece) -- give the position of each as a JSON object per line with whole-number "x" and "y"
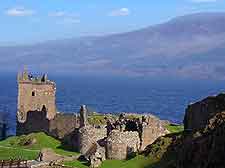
{"x": 35, "y": 94}
{"x": 117, "y": 139}
{"x": 36, "y": 109}
{"x": 120, "y": 138}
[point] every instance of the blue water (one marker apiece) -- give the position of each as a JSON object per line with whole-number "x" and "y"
{"x": 165, "y": 98}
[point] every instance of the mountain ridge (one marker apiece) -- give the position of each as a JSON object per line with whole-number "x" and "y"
{"x": 186, "y": 46}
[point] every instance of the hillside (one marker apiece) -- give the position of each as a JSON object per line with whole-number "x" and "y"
{"x": 189, "y": 46}
{"x": 29, "y": 146}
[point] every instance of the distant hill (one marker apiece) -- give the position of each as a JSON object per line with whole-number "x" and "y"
{"x": 187, "y": 46}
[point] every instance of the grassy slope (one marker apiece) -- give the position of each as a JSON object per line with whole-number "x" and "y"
{"x": 175, "y": 128}
{"x": 17, "y": 146}
{"x": 137, "y": 162}
{"x": 17, "y": 153}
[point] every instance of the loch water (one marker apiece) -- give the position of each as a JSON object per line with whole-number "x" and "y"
{"x": 165, "y": 98}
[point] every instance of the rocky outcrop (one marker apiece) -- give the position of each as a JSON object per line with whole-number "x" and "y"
{"x": 206, "y": 148}
{"x": 201, "y": 145}
{"x": 197, "y": 115}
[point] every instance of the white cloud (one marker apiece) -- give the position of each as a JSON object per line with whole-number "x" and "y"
{"x": 64, "y": 17}
{"x": 120, "y": 12}
{"x": 19, "y": 11}
{"x": 203, "y": 1}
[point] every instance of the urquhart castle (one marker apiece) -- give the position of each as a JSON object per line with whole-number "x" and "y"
{"x": 114, "y": 138}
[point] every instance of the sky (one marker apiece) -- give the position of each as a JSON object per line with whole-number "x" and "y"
{"x": 32, "y": 21}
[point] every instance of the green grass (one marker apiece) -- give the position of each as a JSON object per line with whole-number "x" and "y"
{"x": 76, "y": 164}
{"x": 137, "y": 162}
{"x": 19, "y": 145}
{"x": 99, "y": 119}
{"x": 17, "y": 153}
{"x": 175, "y": 128}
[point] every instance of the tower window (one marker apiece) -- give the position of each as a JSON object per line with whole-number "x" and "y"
{"x": 33, "y": 93}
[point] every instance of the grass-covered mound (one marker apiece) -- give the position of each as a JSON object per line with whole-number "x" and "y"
{"x": 175, "y": 128}
{"x": 28, "y": 146}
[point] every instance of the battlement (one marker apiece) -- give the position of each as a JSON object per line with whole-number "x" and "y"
{"x": 35, "y": 94}
{"x": 25, "y": 77}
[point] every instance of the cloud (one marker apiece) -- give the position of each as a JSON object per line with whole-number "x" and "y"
{"x": 120, "y": 12}
{"x": 204, "y": 1}
{"x": 19, "y": 11}
{"x": 64, "y": 17}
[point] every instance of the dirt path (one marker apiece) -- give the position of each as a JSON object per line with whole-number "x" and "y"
{"x": 8, "y": 147}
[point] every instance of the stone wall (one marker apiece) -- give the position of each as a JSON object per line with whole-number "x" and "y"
{"x": 63, "y": 124}
{"x": 34, "y": 96}
{"x": 152, "y": 128}
{"x": 36, "y": 122}
{"x": 89, "y": 136}
{"x": 122, "y": 144}
{"x": 62, "y": 127}
{"x": 198, "y": 114}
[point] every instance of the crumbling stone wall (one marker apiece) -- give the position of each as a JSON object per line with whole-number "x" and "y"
{"x": 198, "y": 114}
{"x": 61, "y": 127}
{"x": 89, "y": 136}
{"x": 122, "y": 144}
{"x": 36, "y": 122}
{"x": 152, "y": 128}
{"x": 63, "y": 124}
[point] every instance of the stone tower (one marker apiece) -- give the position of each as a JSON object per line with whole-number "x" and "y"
{"x": 83, "y": 116}
{"x": 36, "y": 94}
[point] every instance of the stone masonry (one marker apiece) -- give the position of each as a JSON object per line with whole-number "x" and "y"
{"x": 37, "y": 109}
{"x": 118, "y": 139}
{"x": 89, "y": 136}
{"x": 122, "y": 144}
{"x": 152, "y": 128}
{"x": 35, "y": 94}
{"x": 121, "y": 138}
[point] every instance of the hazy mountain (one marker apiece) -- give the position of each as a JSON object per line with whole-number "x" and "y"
{"x": 192, "y": 45}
